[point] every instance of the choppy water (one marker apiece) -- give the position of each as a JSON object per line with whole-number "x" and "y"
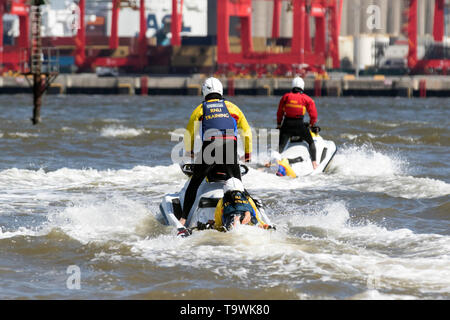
{"x": 81, "y": 192}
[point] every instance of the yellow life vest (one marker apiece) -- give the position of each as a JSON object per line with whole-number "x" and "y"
{"x": 219, "y": 212}
{"x": 284, "y": 163}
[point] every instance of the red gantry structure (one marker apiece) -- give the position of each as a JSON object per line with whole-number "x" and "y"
{"x": 13, "y": 56}
{"x": 135, "y": 61}
{"x": 176, "y": 22}
{"x": 438, "y": 62}
{"x": 303, "y": 56}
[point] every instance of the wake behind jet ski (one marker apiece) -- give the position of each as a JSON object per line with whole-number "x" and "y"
{"x": 202, "y": 214}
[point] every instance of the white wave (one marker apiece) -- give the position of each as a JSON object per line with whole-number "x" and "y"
{"x": 350, "y": 163}
{"x": 115, "y": 131}
{"x": 365, "y": 251}
{"x": 408, "y": 187}
{"x": 365, "y": 169}
{"x": 177, "y": 133}
{"x": 341, "y": 252}
{"x": 320, "y": 242}
{"x": 24, "y": 179}
{"x": 374, "y": 174}
{"x": 21, "y": 231}
{"x": 23, "y": 135}
{"x": 354, "y": 137}
{"x": 116, "y": 218}
{"x": 374, "y": 294}
{"x": 333, "y": 215}
{"x": 349, "y": 136}
{"x": 365, "y": 161}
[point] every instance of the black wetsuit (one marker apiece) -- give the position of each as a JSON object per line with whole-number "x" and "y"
{"x": 295, "y": 127}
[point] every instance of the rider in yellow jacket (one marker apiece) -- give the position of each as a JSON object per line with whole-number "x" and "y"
{"x": 219, "y": 122}
{"x": 242, "y": 124}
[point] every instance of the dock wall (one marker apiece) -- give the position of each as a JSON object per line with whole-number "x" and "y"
{"x": 418, "y": 86}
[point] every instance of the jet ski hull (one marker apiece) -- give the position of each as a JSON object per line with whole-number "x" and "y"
{"x": 297, "y": 152}
{"x": 203, "y": 209}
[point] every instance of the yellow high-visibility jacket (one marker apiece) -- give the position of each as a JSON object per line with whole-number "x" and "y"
{"x": 242, "y": 124}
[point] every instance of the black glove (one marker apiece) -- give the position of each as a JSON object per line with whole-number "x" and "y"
{"x": 183, "y": 232}
{"x": 205, "y": 226}
{"x": 315, "y": 129}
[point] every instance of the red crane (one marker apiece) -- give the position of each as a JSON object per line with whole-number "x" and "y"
{"x": 136, "y": 62}
{"x": 301, "y": 58}
{"x": 437, "y": 64}
{"x": 13, "y": 57}
{"x": 177, "y": 22}
{"x": 140, "y": 61}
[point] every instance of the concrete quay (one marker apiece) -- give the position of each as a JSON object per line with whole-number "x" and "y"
{"x": 337, "y": 86}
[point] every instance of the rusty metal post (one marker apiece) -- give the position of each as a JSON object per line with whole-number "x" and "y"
{"x": 41, "y": 78}
{"x": 423, "y": 88}
{"x": 36, "y": 60}
{"x": 37, "y": 98}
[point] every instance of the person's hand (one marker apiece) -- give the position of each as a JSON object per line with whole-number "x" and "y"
{"x": 247, "y": 218}
{"x": 182, "y": 221}
{"x": 315, "y": 165}
{"x": 236, "y": 221}
{"x": 267, "y": 227}
{"x": 315, "y": 129}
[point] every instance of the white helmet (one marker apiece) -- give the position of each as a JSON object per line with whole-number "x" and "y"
{"x": 212, "y": 85}
{"x": 233, "y": 184}
{"x": 298, "y": 83}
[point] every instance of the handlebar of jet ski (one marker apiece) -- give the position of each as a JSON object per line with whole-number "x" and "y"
{"x": 188, "y": 169}
{"x": 316, "y": 129}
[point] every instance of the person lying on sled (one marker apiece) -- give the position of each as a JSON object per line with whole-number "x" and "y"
{"x": 236, "y": 207}
{"x": 277, "y": 165}
{"x": 281, "y": 167}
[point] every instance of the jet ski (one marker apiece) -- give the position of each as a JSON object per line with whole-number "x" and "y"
{"x": 295, "y": 160}
{"x": 209, "y": 193}
{"x": 297, "y": 153}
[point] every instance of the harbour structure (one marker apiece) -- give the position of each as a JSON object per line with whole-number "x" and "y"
{"x": 239, "y": 37}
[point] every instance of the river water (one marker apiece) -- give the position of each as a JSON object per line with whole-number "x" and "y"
{"x": 79, "y": 197}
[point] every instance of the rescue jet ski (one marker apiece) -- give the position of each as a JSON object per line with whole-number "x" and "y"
{"x": 297, "y": 153}
{"x": 209, "y": 193}
{"x": 295, "y": 160}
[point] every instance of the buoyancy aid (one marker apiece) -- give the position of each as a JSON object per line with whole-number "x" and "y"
{"x": 294, "y": 106}
{"x": 284, "y": 169}
{"x": 217, "y": 121}
{"x": 220, "y": 216}
{"x": 239, "y": 207}
{"x": 241, "y": 204}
